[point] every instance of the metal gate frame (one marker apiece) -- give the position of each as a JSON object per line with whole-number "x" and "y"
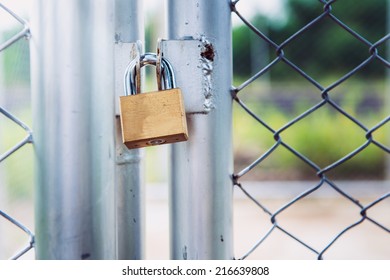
{"x": 80, "y": 181}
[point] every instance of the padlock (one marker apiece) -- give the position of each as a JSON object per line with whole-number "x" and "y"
{"x": 153, "y": 118}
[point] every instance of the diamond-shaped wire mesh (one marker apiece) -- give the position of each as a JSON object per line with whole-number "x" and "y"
{"x": 10, "y": 117}
{"x": 325, "y": 99}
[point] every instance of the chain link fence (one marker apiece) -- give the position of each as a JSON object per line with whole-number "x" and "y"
{"x": 339, "y": 130}
{"x": 9, "y": 132}
{"x": 295, "y": 131}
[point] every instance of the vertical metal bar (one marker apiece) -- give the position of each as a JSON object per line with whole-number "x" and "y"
{"x": 130, "y": 196}
{"x": 73, "y": 115}
{"x": 201, "y": 187}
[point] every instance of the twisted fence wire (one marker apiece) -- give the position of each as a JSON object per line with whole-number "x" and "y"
{"x": 326, "y": 101}
{"x": 24, "y": 33}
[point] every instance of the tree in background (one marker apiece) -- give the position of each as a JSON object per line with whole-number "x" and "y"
{"x": 325, "y": 49}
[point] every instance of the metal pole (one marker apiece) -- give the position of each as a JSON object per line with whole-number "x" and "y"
{"x": 201, "y": 187}
{"x": 130, "y": 195}
{"x": 73, "y": 115}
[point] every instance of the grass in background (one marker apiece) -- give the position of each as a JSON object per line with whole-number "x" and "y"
{"x": 17, "y": 169}
{"x": 324, "y": 136}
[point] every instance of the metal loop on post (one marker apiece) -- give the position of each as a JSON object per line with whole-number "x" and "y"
{"x": 165, "y": 72}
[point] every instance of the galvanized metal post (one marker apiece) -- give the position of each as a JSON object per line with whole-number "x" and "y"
{"x": 130, "y": 195}
{"x": 201, "y": 187}
{"x": 73, "y": 114}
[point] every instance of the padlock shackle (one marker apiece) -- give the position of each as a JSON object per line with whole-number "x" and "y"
{"x": 167, "y": 76}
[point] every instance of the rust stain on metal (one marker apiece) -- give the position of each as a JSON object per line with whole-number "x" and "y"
{"x": 208, "y": 52}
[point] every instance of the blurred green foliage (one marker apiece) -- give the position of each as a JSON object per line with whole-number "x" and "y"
{"x": 16, "y": 172}
{"x": 17, "y": 169}
{"x": 326, "y": 52}
{"x": 16, "y": 62}
{"x": 322, "y": 50}
{"x": 324, "y": 136}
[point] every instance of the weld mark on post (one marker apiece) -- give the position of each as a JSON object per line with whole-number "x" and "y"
{"x": 206, "y": 59}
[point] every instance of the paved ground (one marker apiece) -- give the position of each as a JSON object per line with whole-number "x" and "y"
{"x": 316, "y": 220}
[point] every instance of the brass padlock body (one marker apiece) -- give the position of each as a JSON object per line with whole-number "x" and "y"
{"x": 153, "y": 118}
